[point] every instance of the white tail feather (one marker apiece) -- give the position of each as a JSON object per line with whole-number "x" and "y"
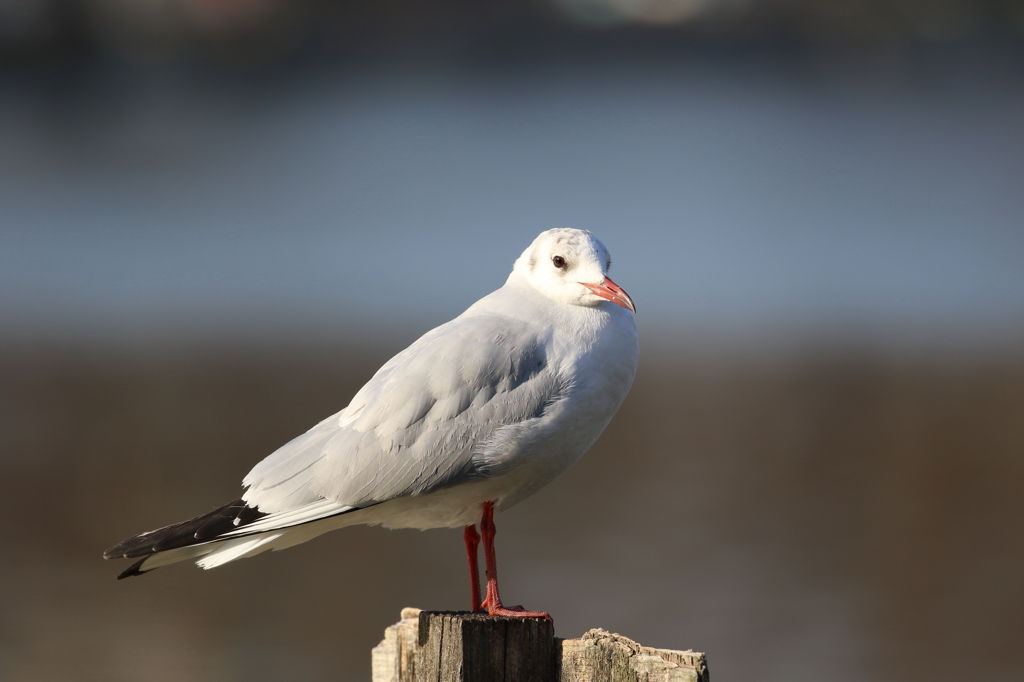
{"x": 310, "y": 512}
{"x": 239, "y": 548}
{"x": 173, "y": 556}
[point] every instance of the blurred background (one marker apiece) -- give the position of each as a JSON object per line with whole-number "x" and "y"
{"x": 219, "y": 217}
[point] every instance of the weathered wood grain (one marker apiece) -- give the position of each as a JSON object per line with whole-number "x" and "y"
{"x": 394, "y": 659}
{"x": 471, "y": 647}
{"x": 600, "y": 656}
{"x": 475, "y": 647}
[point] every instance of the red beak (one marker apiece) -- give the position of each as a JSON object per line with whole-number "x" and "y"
{"x": 613, "y": 292}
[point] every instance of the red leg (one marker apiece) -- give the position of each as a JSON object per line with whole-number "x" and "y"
{"x": 493, "y": 601}
{"x": 472, "y": 541}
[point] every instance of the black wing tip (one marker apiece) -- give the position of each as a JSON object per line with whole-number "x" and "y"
{"x": 203, "y": 528}
{"x": 122, "y": 550}
{"x": 194, "y": 531}
{"x": 141, "y": 545}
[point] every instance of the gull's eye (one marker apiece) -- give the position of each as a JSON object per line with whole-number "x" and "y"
{"x": 558, "y": 261}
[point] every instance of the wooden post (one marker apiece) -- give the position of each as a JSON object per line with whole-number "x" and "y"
{"x": 471, "y": 647}
{"x": 475, "y": 647}
{"x": 600, "y": 656}
{"x": 394, "y": 659}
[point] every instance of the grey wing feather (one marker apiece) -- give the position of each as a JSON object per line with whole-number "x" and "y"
{"x": 418, "y": 425}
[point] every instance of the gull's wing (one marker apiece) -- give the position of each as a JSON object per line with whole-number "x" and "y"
{"x": 444, "y": 410}
{"x": 422, "y": 423}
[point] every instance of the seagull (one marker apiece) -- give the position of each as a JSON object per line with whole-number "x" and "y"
{"x": 471, "y": 419}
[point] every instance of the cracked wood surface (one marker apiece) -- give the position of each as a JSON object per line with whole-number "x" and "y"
{"x": 471, "y": 647}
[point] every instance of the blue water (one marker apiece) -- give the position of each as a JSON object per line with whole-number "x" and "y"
{"x": 735, "y": 198}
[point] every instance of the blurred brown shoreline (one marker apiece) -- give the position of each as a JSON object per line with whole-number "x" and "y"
{"x": 891, "y": 490}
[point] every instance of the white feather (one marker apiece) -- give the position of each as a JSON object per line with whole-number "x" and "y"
{"x": 238, "y": 548}
{"x": 295, "y": 517}
{"x": 172, "y": 556}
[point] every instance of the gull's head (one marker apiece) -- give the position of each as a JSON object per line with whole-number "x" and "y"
{"x": 571, "y": 266}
